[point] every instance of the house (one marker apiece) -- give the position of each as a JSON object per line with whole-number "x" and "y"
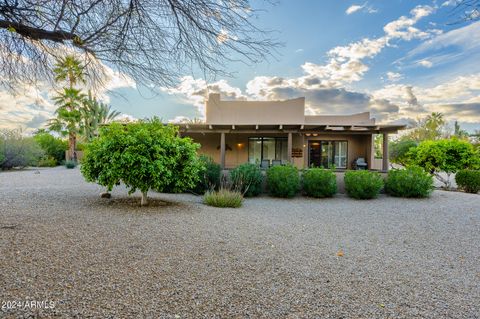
{"x": 279, "y": 132}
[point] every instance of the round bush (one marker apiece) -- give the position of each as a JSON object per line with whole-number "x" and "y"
{"x": 468, "y": 180}
{"x": 247, "y": 178}
{"x": 283, "y": 181}
{"x": 209, "y": 175}
{"x": 70, "y": 164}
{"x": 319, "y": 182}
{"x": 363, "y": 184}
{"x": 410, "y": 182}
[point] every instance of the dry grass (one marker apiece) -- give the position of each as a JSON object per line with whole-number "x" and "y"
{"x": 223, "y": 198}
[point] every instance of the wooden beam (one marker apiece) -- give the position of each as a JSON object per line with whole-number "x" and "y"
{"x": 222, "y": 150}
{"x": 289, "y": 148}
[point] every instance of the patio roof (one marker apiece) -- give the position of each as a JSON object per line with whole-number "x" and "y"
{"x": 290, "y": 128}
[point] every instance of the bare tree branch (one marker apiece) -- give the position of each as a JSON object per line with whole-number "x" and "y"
{"x": 151, "y": 41}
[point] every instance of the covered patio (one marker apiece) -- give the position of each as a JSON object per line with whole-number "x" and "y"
{"x": 303, "y": 145}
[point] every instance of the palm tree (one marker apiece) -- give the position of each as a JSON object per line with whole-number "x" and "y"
{"x": 458, "y": 132}
{"x": 95, "y": 113}
{"x": 68, "y": 120}
{"x": 69, "y": 69}
{"x": 68, "y": 117}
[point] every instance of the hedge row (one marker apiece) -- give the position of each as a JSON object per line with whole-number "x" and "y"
{"x": 285, "y": 181}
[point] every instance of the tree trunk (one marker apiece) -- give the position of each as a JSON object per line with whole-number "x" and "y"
{"x": 144, "y": 200}
{"x": 71, "y": 146}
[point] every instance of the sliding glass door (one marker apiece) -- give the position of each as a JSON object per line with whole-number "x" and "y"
{"x": 327, "y": 154}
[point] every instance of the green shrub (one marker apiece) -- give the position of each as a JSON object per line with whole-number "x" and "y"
{"x": 468, "y": 180}
{"x": 70, "y": 164}
{"x": 208, "y": 176}
{"x": 248, "y": 178}
{"x": 319, "y": 182}
{"x": 223, "y": 198}
{"x": 363, "y": 184}
{"x": 47, "y": 161}
{"x": 53, "y": 147}
{"x": 410, "y": 182}
{"x": 283, "y": 181}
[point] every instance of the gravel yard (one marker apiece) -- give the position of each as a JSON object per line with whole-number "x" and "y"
{"x": 272, "y": 258}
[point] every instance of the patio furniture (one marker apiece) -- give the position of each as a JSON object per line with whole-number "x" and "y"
{"x": 360, "y": 164}
{"x": 276, "y": 162}
{"x": 264, "y": 164}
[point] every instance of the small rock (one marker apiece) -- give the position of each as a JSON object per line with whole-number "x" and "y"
{"x": 106, "y": 195}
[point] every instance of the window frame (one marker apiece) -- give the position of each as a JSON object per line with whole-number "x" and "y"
{"x": 276, "y": 138}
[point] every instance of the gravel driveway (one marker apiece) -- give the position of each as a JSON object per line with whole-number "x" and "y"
{"x": 272, "y": 258}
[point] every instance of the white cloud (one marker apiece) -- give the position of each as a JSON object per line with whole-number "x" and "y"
{"x": 458, "y": 99}
{"x": 364, "y": 7}
{"x": 425, "y": 63}
{"x": 394, "y": 77}
{"x": 467, "y": 38}
{"x": 402, "y": 28}
{"x": 354, "y": 8}
{"x": 449, "y": 3}
{"x": 195, "y": 91}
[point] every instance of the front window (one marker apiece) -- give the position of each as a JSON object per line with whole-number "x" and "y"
{"x": 267, "y": 149}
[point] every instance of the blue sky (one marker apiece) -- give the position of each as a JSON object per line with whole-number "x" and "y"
{"x": 398, "y": 59}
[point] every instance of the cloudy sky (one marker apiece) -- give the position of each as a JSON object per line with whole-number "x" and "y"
{"x": 398, "y": 59}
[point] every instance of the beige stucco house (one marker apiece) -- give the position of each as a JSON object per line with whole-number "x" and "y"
{"x": 278, "y": 132}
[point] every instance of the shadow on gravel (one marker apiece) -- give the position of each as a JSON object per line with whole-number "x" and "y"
{"x": 133, "y": 203}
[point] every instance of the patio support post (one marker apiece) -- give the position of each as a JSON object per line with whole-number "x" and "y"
{"x": 289, "y": 148}
{"x": 385, "y": 152}
{"x": 222, "y": 150}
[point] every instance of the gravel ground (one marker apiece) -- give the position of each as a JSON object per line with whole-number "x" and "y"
{"x": 272, "y": 258}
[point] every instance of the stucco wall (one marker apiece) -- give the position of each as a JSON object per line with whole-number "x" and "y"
{"x": 254, "y": 112}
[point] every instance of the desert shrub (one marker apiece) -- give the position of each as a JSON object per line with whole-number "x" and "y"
{"x": 223, "y": 197}
{"x": 208, "y": 176}
{"x": 410, "y": 182}
{"x": 363, "y": 184}
{"x": 18, "y": 150}
{"x": 468, "y": 180}
{"x": 283, "y": 181}
{"x": 448, "y": 156}
{"x": 248, "y": 179}
{"x": 52, "y": 146}
{"x": 47, "y": 161}
{"x": 319, "y": 182}
{"x": 145, "y": 155}
{"x": 70, "y": 164}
